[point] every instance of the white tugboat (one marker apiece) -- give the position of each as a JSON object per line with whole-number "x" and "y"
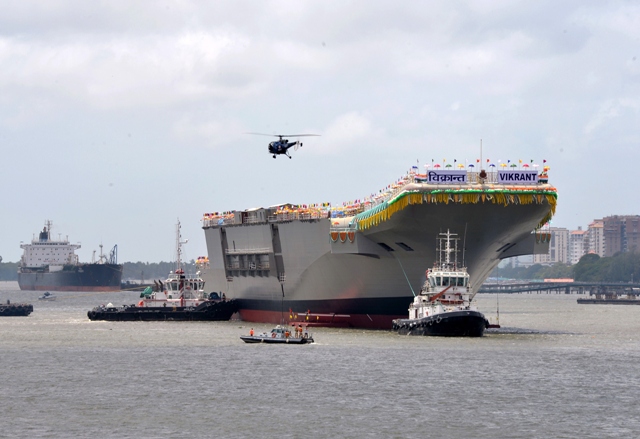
{"x": 444, "y": 306}
{"x": 180, "y": 297}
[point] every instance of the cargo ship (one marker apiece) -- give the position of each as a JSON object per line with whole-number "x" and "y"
{"x": 51, "y": 265}
{"x": 361, "y": 264}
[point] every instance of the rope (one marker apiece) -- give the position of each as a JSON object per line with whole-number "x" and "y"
{"x": 405, "y": 274}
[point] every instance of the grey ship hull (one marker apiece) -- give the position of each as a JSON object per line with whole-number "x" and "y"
{"x": 83, "y": 277}
{"x": 371, "y": 281}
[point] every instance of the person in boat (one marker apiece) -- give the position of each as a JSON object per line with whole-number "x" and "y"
{"x": 306, "y": 333}
{"x": 251, "y": 332}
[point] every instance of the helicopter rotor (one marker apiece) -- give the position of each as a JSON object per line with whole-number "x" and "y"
{"x": 283, "y": 135}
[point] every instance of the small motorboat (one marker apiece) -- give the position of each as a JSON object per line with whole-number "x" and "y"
{"x": 280, "y": 335}
{"x": 47, "y": 296}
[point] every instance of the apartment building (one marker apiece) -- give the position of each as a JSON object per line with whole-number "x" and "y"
{"x": 594, "y": 239}
{"x": 558, "y": 248}
{"x": 621, "y": 234}
{"x": 576, "y": 245}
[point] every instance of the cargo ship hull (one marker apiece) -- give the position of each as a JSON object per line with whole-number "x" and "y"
{"x": 308, "y": 270}
{"x": 83, "y": 277}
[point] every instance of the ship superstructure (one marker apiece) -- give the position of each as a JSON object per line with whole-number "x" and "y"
{"x": 48, "y": 264}
{"x": 361, "y": 264}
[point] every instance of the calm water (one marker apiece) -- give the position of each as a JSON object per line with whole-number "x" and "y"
{"x": 567, "y": 371}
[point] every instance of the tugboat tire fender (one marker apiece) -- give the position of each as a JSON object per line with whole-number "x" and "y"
{"x": 438, "y": 319}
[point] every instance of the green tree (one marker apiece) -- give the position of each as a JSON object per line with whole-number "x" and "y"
{"x": 8, "y": 271}
{"x": 588, "y": 269}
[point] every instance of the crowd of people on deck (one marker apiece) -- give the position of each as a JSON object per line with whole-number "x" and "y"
{"x": 354, "y": 207}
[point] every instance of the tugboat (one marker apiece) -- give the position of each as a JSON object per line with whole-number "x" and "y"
{"x": 444, "y": 306}
{"x": 15, "y": 309}
{"x": 180, "y": 297}
{"x": 279, "y": 335}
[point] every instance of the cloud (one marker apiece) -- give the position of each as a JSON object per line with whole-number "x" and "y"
{"x": 610, "y": 110}
{"x": 110, "y": 89}
{"x": 352, "y": 130}
{"x": 120, "y": 72}
{"x": 209, "y": 134}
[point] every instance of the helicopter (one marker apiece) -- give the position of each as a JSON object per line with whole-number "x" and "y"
{"x": 281, "y": 146}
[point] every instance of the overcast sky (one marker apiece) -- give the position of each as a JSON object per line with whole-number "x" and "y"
{"x": 118, "y": 117}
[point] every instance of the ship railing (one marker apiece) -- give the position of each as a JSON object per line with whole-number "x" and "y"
{"x": 252, "y": 220}
{"x": 290, "y": 216}
{"x": 251, "y": 266}
{"x": 351, "y": 228}
{"x": 347, "y": 212}
{"x": 217, "y": 222}
{"x": 247, "y": 251}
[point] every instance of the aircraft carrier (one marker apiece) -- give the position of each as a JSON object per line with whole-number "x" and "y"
{"x": 361, "y": 264}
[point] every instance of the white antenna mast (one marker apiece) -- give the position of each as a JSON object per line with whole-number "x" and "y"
{"x": 179, "y": 243}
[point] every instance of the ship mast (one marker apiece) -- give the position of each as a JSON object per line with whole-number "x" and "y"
{"x": 179, "y": 243}
{"x": 444, "y": 253}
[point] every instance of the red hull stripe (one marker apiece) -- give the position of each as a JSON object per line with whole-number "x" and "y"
{"x": 365, "y": 321}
